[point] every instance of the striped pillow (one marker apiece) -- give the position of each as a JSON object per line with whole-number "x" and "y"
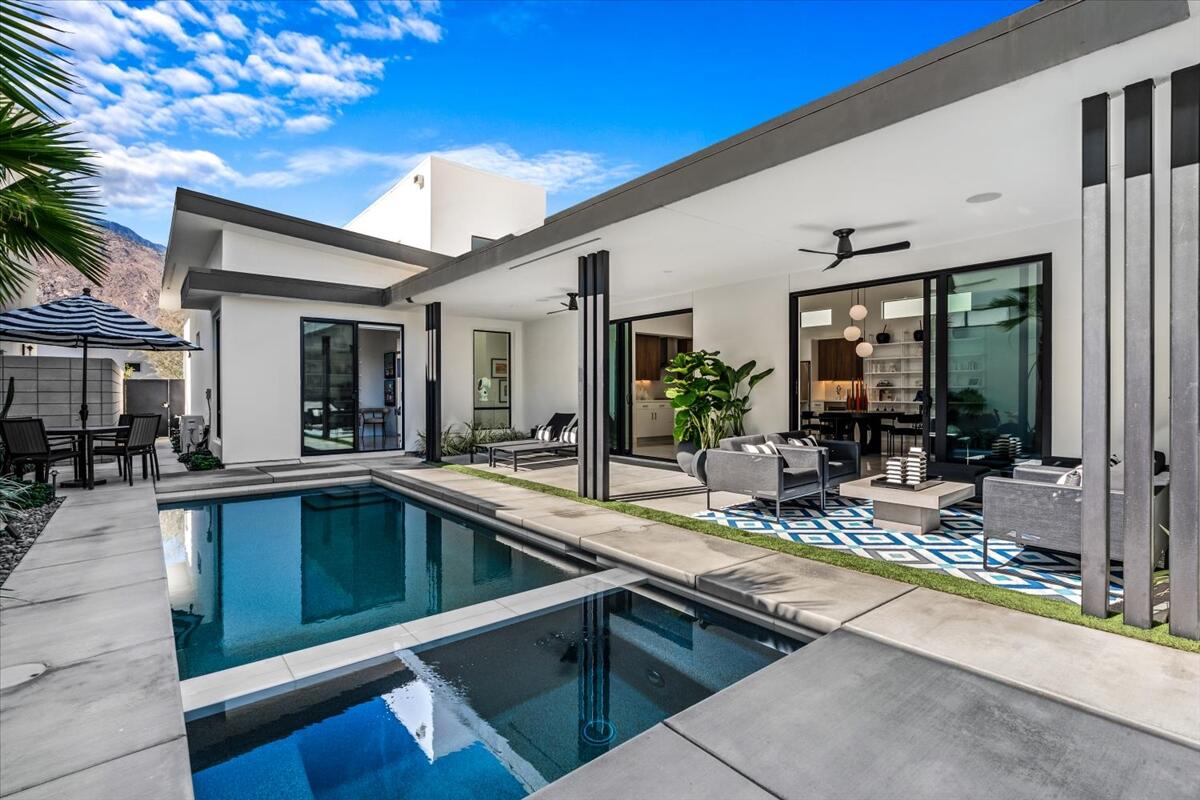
{"x": 543, "y": 433}
{"x": 767, "y": 449}
{"x": 804, "y": 441}
{"x": 570, "y": 434}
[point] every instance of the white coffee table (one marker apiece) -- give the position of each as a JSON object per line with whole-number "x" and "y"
{"x": 907, "y": 511}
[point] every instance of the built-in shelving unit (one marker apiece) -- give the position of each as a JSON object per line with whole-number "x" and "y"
{"x": 893, "y": 373}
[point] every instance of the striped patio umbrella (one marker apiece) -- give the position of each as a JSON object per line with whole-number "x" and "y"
{"x": 85, "y": 321}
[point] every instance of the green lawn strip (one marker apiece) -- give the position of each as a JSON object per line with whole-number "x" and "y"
{"x": 938, "y": 581}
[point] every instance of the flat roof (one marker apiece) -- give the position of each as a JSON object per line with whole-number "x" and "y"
{"x": 1032, "y": 40}
{"x": 222, "y": 209}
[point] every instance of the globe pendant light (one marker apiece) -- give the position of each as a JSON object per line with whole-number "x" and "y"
{"x": 852, "y": 333}
{"x": 864, "y": 349}
{"x": 858, "y": 312}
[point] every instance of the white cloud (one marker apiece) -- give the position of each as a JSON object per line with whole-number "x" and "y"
{"x": 309, "y": 123}
{"x": 555, "y": 170}
{"x": 396, "y": 20}
{"x": 341, "y": 8}
{"x": 231, "y": 25}
{"x": 183, "y": 80}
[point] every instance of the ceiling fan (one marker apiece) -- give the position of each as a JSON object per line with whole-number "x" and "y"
{"x": 572, "y": 304}
{"x": 846, "y": 251}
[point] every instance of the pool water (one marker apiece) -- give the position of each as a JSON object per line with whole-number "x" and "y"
{"x": 497, "y": 715}
{"x": 259, "y": 577}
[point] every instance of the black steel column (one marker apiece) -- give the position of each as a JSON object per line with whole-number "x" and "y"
{"x": 593, "y": 375}
{"x": 433, "y": 382}
{"x": 1185, "y": 353}
{"x": 1139, "y": 352}
{"x": 1095, "y": 418}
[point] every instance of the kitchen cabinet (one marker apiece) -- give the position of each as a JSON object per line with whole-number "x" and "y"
{"x": 652, "y": 354}
{"x": 837, "y": 361}
{"x": 653, "y": 418}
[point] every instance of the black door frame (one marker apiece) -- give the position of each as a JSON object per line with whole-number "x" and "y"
{"x": 620, "y": 444}
{"x": 400, "y": 422}
{"x": 936, "y": 283}
{"x": 474, "y": 407}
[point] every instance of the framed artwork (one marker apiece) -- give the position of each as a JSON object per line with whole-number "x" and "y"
{"x": 389, "y": 365}
{"x": 389, "y": 392}
{"x": 499, "y": 367}
{"x": 502, "y": 388}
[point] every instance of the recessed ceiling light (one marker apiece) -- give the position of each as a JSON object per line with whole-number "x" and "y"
{"x": 984, "y": 197}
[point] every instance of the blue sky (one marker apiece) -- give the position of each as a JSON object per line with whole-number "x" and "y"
{"x": 312, "y": 108}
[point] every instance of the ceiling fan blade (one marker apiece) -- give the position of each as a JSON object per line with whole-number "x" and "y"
{"x": 836, "y": 261}
{"x": 557, "y": 311}
{"x": 883, "y": 248}
{"x": 818, "y": 252}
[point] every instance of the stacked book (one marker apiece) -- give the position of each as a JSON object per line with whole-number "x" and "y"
{"x": 895, "y": 470}
{"x": 915, "y": 466}
{"x": 1006, "y": 446}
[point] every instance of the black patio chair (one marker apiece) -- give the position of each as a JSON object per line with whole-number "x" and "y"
{"x": 26, "y": 443}
{"x": 143, "y": 431}
{"x": 906, "y": 426}
{"x": 123, "y": 421}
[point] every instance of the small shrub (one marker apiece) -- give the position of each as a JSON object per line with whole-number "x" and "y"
{"x": 12, "y": 493}
{"x": 202, "y": 462}
{"x": 460, "y": 441}
{"x": 35, "y": 495}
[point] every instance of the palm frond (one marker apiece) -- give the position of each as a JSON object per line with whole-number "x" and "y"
{"x": 48, "y": 216}
{"x": 31, "y": 73}
{"x": 31, "y": 145}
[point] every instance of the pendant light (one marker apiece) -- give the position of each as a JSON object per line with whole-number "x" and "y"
{"x": 864, "y": 349}
{"x": 858, "y": 312}
{"x": 851, "y": 332}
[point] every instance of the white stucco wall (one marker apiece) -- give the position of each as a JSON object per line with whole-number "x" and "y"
{"x": 470, "y": 202}
{"x": 268, "y": 254}
{"x": 402, "y": 213}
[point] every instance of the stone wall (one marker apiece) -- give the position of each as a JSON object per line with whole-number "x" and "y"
{"x": 50, "y": 387}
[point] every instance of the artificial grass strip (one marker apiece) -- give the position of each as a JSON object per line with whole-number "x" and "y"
{"x": 938, "y": 581}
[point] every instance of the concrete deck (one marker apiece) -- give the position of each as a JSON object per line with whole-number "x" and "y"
{"x": 89, "y": 688}
{"x": 849, "y": 717}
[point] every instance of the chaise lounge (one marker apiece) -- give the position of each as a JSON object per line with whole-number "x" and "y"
{"x": 557, "y": 424}
{"x": 565, "y": 443}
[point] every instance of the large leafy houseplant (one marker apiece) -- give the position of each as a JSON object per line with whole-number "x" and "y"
{"x": 710, "y": 398}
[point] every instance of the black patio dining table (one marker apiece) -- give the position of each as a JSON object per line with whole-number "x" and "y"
{"x": 85, "y": 462}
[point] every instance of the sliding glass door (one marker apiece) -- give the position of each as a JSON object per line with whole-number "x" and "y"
{"x": 328, "y": 386}
{"x": 994, "y": 340}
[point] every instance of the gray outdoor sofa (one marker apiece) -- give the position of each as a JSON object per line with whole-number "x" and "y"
{"x": 776, "y": 479}
{"x": 1032, "y": 509}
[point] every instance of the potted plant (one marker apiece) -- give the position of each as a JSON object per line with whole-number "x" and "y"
{"x": 710, "y": 400}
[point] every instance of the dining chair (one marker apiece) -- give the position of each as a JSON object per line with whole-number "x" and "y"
{"x": 907, "y": 425}
{"x": 143, "y": 432}
{"x": 123, "y": 421}
{"x": 25, "y": 443}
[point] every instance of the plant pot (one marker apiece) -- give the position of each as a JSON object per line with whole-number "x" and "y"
{"x": 883, "y": 337}
{"x": 918, "y": 335}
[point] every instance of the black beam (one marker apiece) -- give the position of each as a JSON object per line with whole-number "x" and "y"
{"x": 593, "y": 436}
{"x": 433, "y": 382}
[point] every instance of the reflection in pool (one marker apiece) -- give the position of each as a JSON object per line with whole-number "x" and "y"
{"x": 495, "y": 715}
{"x": 258, "y": 577}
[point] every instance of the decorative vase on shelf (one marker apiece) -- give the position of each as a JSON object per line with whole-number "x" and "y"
{"x": 918, "y": 335}
{"x": 883, "y": 337}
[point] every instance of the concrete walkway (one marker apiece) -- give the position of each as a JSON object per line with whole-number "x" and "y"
{"x": 89, "y": 688}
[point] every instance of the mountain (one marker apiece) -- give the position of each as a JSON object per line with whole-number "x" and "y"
{"x": 135, "y": 267}
{"x": 132, "y": 235}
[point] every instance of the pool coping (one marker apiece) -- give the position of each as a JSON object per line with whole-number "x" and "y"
{"x": 243, "y": 685}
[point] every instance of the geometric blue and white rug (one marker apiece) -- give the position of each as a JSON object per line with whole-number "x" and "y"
{"x": 956, "y": 548}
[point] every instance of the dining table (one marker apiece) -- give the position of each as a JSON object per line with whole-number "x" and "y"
{"x": 85, "y": 462}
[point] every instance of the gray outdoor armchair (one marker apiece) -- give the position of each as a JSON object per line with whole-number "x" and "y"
{"x": 1032, "y": 509}
{"x": 793, "y": 473}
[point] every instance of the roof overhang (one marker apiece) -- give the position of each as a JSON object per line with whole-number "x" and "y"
{"x": 1041, "y": 37}
{"x": 202, "y": 288}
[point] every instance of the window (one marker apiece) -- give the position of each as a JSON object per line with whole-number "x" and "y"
{"x": 491, "y": 388}
{"x": 816, "y": 319}
{"x": 217, "y": 367}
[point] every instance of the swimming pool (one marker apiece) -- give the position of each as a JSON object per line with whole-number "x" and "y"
{"x": 256, "y": 577}
{"x": 498, "y": 714}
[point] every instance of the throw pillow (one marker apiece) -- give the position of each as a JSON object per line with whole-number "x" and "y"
{"x": 544, "y": 433}
{"x": 1072, "y": 478}
{"x": 804, "y": 441}
{"x": 767, "y": 449}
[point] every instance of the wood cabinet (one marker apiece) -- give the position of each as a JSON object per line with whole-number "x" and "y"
{"x": 652, "y": 353}
{"x": 837, "y": 361}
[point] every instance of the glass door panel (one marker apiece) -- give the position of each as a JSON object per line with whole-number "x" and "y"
{"x": 620, "y": 387}
{"x": 328, "y": 386}
{"x": 993, "y": 337}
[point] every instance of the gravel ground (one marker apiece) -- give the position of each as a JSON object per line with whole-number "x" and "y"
{"x": 23, "y": 528}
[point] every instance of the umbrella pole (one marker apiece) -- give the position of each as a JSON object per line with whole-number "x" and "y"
{"x": 83, "y": 406}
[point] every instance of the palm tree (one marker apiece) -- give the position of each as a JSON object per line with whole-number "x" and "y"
{"x": 47, "y": 207}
